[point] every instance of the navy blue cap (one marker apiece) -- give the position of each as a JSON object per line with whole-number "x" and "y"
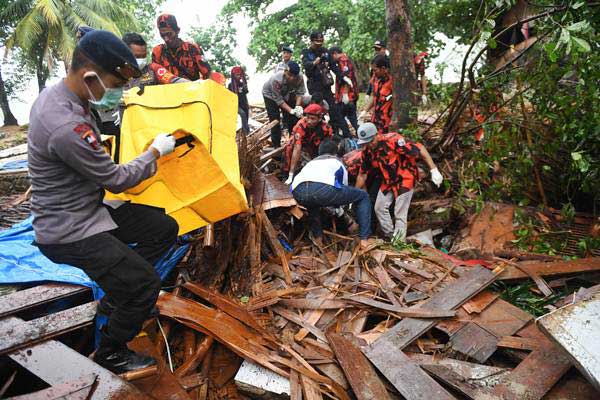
{"x": 293, "y": 67}
{"x": 287, "y": 48}
{"x": 316, "y": 35}
{"x": 110, "y": 53}
{"x": 82, "y": 30}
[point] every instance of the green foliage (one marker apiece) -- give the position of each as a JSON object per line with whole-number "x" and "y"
{"x": 354, "y": 25}
{"x": 561, "y": 83}
{"x": 521, "y": 296}
{"x": 218, "y": 42}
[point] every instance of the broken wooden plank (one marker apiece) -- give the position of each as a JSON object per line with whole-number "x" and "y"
{"x": 406, "y": 376}
{"x": 457, "y": 382}
{"x": 316, "y": 304}
{"x": 551, "y": 268}
{"x": 411, "y": 268}
{"x": 475, "y": 342}
{"x": 387, "y": 284}
{"x": 386, "y": 351}
{"x": 480, "y": 302}
{"x": 484, "y": 374}
{"x": 359, "y": 372}
{"x": 310, "y": 389}
{"x": 275, "y": 244}
{"x": 28, "y": 298}
{"x": 409, "y": 312}
{"x": 518, "y": 343}
{"x": 72, "y": 390}
{"x": 343, "y": 263}
{"x": 576, "y": 329}
{"x": 303, "y": 323}
{"x": 27, "y": 333}
{"x": 54, "y": 363}
{"x": 537, "y": 373}
{"x": 451, "y": 297}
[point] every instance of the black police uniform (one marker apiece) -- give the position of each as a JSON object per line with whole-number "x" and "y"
{"x": 319, "y": 80}
{"x": 69, "y": 171}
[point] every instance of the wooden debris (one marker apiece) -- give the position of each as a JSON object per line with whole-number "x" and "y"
{"x": 361, "y": 375}
{"x": 551, "y": 268}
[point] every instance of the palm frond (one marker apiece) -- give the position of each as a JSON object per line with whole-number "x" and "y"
{"x": 28, "y": 31}
{"x": 16, "y": 10}
{"x": 51, "y": 10}
{"x": 93, "y": 19}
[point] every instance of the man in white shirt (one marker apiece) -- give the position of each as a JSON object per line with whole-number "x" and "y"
{"x": 323, "y": 182}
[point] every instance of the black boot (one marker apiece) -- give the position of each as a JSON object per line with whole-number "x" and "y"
{"x": 106, "y": 307}
{"x": 118, "y": 359}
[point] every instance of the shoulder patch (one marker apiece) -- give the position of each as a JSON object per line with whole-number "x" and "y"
{"x": 86, "y": 133}
{"x": 401, "y": 142}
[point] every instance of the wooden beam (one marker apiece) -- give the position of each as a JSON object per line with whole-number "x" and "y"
{"x": 358, "y": 370}
{"x": 27, "y": 333}
{"x": 551, "y": 268}
{"x": 29, "y": 298}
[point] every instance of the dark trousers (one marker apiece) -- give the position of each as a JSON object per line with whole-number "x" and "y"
{"x": 243, "y": 113}
{"x": 347, "y": 111}
{"x": 126, "y": 275}
{"x": 274, "y": 113}
{"x": 314, "y": 195}
{"x": 335, "y": 119}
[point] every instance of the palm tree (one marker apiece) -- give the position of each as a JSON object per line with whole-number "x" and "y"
{"x": 45, "y": 30}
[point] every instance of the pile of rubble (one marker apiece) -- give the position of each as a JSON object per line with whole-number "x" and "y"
{"x": 258, "y": 311}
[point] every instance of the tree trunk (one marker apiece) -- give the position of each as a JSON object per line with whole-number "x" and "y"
{"x": 42, "y": 75}
{"x": 397, "y": 20}
{"x": 9, "y": 118}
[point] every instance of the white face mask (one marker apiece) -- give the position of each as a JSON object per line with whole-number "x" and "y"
{"x": 142, "y": 62}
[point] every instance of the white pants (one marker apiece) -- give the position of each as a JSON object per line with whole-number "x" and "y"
{"x": 382, "y": 211}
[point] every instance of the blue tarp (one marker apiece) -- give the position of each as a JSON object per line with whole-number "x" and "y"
{"x": 14, "y": 165}
{"x": 22, "y": 262}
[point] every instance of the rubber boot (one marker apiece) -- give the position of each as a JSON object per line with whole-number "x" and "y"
{"x": 117, "y": 358}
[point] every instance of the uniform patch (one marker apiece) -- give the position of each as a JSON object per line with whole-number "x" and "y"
{"x": 86, "y": 133}
{"x": 401, "y": 142}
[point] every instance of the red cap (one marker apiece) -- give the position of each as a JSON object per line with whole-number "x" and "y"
{"x": 236, "y": 70}
{"x": 314, "y": 109}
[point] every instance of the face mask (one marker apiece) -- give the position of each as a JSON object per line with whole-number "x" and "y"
{"x": 111, "y": 97}
{"x": 141, "y": 62}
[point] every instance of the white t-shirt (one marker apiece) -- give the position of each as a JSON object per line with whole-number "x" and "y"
{"x": 323, "y": 169}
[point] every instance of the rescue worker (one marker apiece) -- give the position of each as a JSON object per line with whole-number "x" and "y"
{"x": 419, "y": 62}
{"x": 381, "y": 102}
{"x": 308, "y": 134}
{"x": 69, "y": 172}
{"x": 184, "y": 59}
{"x": 286, "y": 57}
{"x": 395, "y": 158}
{"x": 379, "y": 48}
{"x": 323, "y": 182}
{"x": 239, "y": 86}
{"x": 284, "y": 91}
{"x": 346, "y": 89}
{"x": 153, "y": 73}
{"x": 316, "y": 63}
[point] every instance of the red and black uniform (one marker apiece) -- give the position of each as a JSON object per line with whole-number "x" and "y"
{"x": 396, "y": 160}
{"x": 345, "y": 68}
{"x": 309, "y": 138}
{"x": 186, "y": 61}
{"x": 382, "y": 107}
{"x": 353, "y": 162}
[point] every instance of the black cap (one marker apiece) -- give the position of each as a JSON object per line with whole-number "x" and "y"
{"x": 379, "y": 44}
{"x": 293, "y": 67}
{"x": 287, "y": 49}
{"x": 316, "y": 36}
{"x": 110, "y": 53}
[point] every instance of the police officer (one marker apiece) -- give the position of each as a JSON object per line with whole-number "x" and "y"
{"x": 315, "y": 61}
{"x": 286, "y": 57}
{"x": 69, "y": 172}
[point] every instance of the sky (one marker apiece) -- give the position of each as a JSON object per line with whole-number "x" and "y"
{"x": 194, "y": 13}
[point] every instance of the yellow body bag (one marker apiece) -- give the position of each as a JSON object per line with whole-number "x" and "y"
{"x": 199, "y": 183}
